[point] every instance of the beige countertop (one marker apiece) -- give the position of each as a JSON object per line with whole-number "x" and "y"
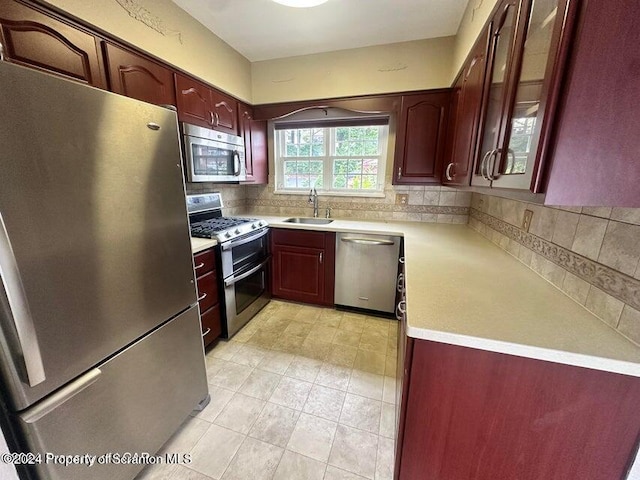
{"x": 200, "y": 244}
{"x": 463, "y": 290}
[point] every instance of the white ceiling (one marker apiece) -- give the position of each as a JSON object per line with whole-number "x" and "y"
{"x": 263, "y": 29}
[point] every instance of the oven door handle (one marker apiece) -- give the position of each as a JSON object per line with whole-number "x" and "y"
{"x": 233, "y": 279}
{"x": 230, "y": 245}
{"x": 236, "y": 163}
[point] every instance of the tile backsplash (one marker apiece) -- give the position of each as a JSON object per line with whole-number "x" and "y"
{"x": 234, "y": 197}
{"x": 592, "y": 254}
{"x": 424, "y": 204}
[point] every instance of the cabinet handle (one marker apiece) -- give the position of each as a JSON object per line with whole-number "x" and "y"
{"x": 321, "y": 256}
{"x": 211, "y": 118}
{"x": 206, "y": 332}
{"x": 400, "y": 310}
{"x": 200, "y": 265}
{"x": 447, "y": 173}
{"x": 400, "y": 283}
{"x": 217, "y": 117}
{"x": 483, "y": 164}
{"x": 491, "y": 164}
{"x": 202, "y": 297}
{"x": 399, "y": 172}
{"x": 1, "y": 53}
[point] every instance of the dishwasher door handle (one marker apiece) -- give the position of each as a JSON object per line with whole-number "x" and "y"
{"x": 367, "y": 241}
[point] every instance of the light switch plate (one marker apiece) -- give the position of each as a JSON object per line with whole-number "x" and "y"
{"x": 526, "y": 220}
{"x": 402, "y": 199}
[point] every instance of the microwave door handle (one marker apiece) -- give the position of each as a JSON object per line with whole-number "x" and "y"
{"x": 19, "y": 307}
{"x": 236, "y": 163}
{"x": 233, "y": 279}
{"x": 230, "y": 245}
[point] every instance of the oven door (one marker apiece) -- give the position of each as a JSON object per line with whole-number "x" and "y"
{"x": 244, "y": 252}
{"x": 246, "y": 292}
{"x": 212, "y": 161}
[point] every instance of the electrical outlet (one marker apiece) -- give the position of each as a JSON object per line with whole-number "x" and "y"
{"x": 526, "y": 220}
{"x": 402, "y": 199}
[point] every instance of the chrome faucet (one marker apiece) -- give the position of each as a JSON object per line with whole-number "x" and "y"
{"x": 313, "y": 198}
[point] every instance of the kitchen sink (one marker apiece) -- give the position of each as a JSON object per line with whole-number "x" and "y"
{"x": 312, "y": 221}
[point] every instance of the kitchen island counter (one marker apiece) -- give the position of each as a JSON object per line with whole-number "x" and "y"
{"x": 464, "y": 290}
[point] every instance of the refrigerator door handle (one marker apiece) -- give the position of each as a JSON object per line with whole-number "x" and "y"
{"x": 19, "y": 307}
{"x": 50, "y": 403}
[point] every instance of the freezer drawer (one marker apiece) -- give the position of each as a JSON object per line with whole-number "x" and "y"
{"x": 366, "y": 271}
{"x": 131, "y": 403}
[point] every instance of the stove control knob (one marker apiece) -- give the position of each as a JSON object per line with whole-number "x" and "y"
{"x": 254, "y": 226}
{"x": 227, "y": 235}
{"x": 260, "y": 224}
{"x": 237, "y": 231}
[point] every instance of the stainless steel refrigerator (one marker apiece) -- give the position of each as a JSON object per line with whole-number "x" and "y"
{"x": 100, "y": 347}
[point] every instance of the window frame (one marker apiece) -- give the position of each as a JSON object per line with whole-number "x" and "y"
{"x": 329, "y": 142}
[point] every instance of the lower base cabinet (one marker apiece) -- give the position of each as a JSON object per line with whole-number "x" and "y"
{"x": 208, "y": 301}
{"x": 473, "y": 414}
{"x": 303, "y": 265}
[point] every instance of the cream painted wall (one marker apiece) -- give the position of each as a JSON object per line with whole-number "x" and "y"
{"x": 200, "y": 52}
{"x": 416, "y": 65}
{"x": 473, "y": 20}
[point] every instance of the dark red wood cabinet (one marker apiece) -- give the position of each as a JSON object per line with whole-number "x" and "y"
{"x": 420, "y": 138}
{"x": 470, "y": 413}
{"x": 254, "y": 133}
{"x": 208, "y": 299}
{"x": 137, "y": 77}
{"x": 303, "y": 265}
{"x": 51, "y": 44}
{"x": 202, "y": 105}
{"x": 464, "y": 116}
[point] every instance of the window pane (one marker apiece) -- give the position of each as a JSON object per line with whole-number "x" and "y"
{"x": 357, "y": 148}
{"x": 315, "y": 181}
{"x": 292, "y": 151}
{"x": 342, "y": 133}
{"x": 290, "y": 181}
{"x": 340, "y": 166}
{"x": 305, "y": 150}
{"x": 369, "y": 182}
{"x": 370, "y": 148}
{"x": 316, "y": 167}
{"x": 339, "y": 181}
{"x": 317, "y": 150}
{"x": 302, "y": 167}
{"x": 353, "y": 182}
{"x": 289, "y": 167}
{"x": 355, "y": 166}
{"x": 370, "y": 166}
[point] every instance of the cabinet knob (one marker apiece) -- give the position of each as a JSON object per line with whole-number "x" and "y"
{"x": 321, "y": 257}
{"x": 399, "y": 172}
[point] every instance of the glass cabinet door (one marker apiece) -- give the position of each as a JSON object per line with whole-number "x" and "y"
{"x": 501, "y": 51}
{"x": 523, "y": 131}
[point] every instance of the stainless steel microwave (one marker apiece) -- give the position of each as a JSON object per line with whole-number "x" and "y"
{"x": 213, "y": 156}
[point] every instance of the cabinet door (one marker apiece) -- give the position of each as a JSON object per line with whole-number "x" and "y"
{"x": 259, "y": 155}
{"x": 194, "y": 102}
{"x": 299, "y": 274}
{"x": 225, "y": 112}
{"x": 420, "y": 138}
{"x": 40, "y": 41}
{"x": 245, "y": 116}
{"x": 466, "y": 99}
{"x": 137, "y": 77}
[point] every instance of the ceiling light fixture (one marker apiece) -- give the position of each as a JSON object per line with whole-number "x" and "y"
{"x": 301, "y": 3}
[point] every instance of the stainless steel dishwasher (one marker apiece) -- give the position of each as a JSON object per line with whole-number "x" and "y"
{"x": 366, "y": 271}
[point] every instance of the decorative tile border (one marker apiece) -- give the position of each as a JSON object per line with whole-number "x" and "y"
{"x": 616, "y": 284}
{"x": 364, "y": 206}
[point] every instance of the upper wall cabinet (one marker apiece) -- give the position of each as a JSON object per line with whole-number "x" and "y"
{"x": 464, "y": 115}
{"x": 420, "y": 138}
{"x": 40, "y": 41}
{"x": 254, "y": 133}
{"x": 201, "y": 105}
{"x": 132, "y": 75}
{"x": 526, "y": 60}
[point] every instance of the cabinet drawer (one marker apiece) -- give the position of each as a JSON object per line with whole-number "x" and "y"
{"x": 211, "y": 325}
{"x": 204, "y": 262}
{"x": 298, "y": 238}
{"x": 207, "y": 291}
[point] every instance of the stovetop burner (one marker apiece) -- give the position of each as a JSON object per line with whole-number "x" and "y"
{"x": 213, "y": 226}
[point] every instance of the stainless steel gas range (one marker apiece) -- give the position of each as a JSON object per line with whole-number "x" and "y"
{"x": 243, "y": 258}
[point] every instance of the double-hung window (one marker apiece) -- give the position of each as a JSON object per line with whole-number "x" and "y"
{"x": 338, "y": 158}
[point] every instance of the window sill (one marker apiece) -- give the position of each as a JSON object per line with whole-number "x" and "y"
{"x": 329, "y": 193}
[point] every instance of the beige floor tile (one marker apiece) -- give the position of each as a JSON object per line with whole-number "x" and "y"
{"x": 224, "y": 350}
{"x": 390, "y": 365}
{"x": 376, "y": 325}
{"x": 366, "y": 384}
{"x": 394, "y": 328}
{"x": 298, "y": 467}
{"x": 298, "y": 329}
{"x": 276, "y": 362}
{"x": 370, "y": 362}
{"x": 362, "y": 413}
{"x": 334, "y": 473}
{"x": 240, "y": 413}
{"x": 264, "y": 338}
{"x": 324, "y": 402}
{"x": 291, "y": 393}
{"x": 249, "y": 355}
{"x": 307, "y": 314}
{"x": 213, "y": 366}
{"x": 213, "y": 453}
{"x": 260, "y": 384}
{"x": 160, "y": 471}
{"x": 243, "y": 335}
{"x": 191, "y": 430}
{"x": 347, "y": 338}
{"x": 185, "y": 473}
{"x": 352, "y": 323}
{"x": 231, "y": 377}
{"x": 303, "y": 368}
{"x": 334, "y": 376}
{"x": 275, "y": 424}
{"x": 255, "y": 460}
{"x": 385, "y": 459}
{"x": 219, "y": 399}
{"x": 389, "y": 390}
{"x": 289, "y": 344}
{"x": 322, "y": 333}
{"x": 355, "y": 451}
{"x": 275, "y": 324}
{"x": 312, "y": 437}
{"x": 373, "y": 342}
{"x": 342, "y": 355}
{"x": 329, "y": 318}
{"x": 388, "y": 420}
{"x": 316, "y": 349}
